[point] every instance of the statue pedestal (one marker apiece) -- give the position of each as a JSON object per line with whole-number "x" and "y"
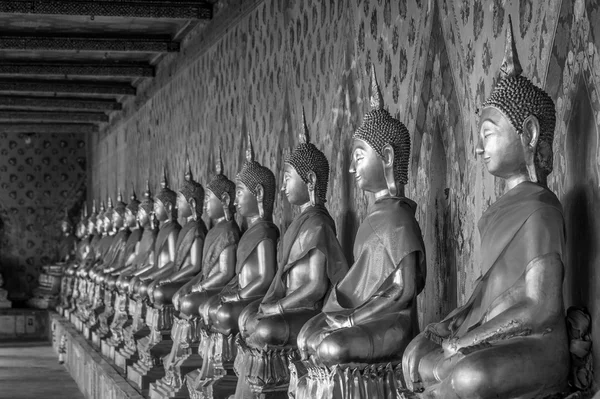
{"x": 120, "y": 318}
{"x": 262, "y": 373}
{"x": 126, "y": 355}
{"x": 216, "y": 378}
{"x": 183, "y": 358}
{"x": 4, "y": 302}
{"x": 366, "y": 381}
{"x": 153, "y": 348}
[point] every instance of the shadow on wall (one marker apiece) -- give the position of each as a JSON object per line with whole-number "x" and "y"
{"x": 580, "y": 204}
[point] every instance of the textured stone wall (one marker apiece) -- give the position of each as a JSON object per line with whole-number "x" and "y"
{"x": 39, "y": 180}
{"x": 436, "y": 61}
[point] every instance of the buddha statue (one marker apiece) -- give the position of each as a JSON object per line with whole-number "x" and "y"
{"x": 165, "y": 212}
{"x": 509, "y": 339}
{"x": 311, "y": 261}
{"x": 67, "y": 286}
{"x": 125, "y": 353}
{"x": 46, "y": 294}
{"x": 188, "y": 256}
{"x": 218, "y": 268}
{"x": 124, "y": 220}
{"x": 371, "y": 314}
{"x": 4, "y": 301}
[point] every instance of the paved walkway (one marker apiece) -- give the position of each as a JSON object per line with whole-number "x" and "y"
{"x": 31, "y": 371}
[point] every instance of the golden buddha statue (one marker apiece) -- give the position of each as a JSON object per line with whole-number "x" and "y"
{"x": 509, "y": 340}
{"x": 371, "y": 313}
{"x": 218, "y": 268}
{"x": 125, "y": 353}
{"x": 311, "y": 261}
{"x": 254, "y": 266}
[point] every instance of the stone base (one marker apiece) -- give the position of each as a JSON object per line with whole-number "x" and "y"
{"x": 162, "y": 390}
{"x": 95, "y": 377}
{"x": 124, "y": 359}
{"x": 199, "y": 388}
{"x": 141, "y": 377}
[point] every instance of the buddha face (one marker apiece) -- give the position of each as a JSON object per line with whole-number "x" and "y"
{"x": 100, "y": 225}
{"x": 160, "y": 211}
{"x": 91, "y": 227}
{"x": 143, "y": 217}
{"x": 108, "y": 224}
{"x": 117, "y": 220}
{"x": 129, "y": 218}
{"x": 293, "y": 186}
{"x": 499, "y": 145}
{"x": 65, "y": 228}
{"x": 212, "y": 206}
{"x": 183, "y": 206}
{"x": 367, "y": 167}
{"x": 245, "y": 202}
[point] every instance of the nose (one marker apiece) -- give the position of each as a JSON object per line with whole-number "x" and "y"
{"x": 352, "y": 167}
{"x": 479, "y": 149}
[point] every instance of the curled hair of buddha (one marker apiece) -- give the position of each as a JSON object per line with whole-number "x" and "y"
{"x": 306, "y": 157}
{"x": 120, "y": 206}
{"x": 166, "y": 195}
{"x": 253, "y": 174}
{"x": 134, "y": 204}
{"x": 379, "y": 129}
{"x": 220, "y": 184}
{"x": 191, "y": 188}
{"x": 147, "y": 203}
{"x": 517, "y": 98}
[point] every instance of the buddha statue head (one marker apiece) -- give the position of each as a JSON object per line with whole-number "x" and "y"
{"x": 81, "y": 229}
{"x": 108, "y": 216}
{"x": 517, "y": 121}
{"x": 306, "y": 171}
{"x": 146, "y": 209}
{"x": 254, "y": 188}
{"x": 65, "y": 225}
{"x": 91, "y": 220}
{"x": 190, "y": 195}
{"x": 118, "y": 214}
{"x": 380, "y": 148}
{"x": 100, "y": 219}
{"x": 131, "y": 210}
{"x": 220, "y": 192}
{"x": 165, "y": 202}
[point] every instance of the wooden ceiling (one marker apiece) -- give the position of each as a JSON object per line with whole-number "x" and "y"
{"x": 66, "y": 64}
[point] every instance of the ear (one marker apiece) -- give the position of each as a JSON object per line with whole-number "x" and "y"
{"x": 531, "y": 132}
{"x": 388, "y": 156}
{"x": 312, "y": 178}
{"x": 192, "y": 202}
{"x": 225, "y": 200}
{"x": 260, "y": 193}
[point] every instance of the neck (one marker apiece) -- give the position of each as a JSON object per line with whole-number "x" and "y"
{"x": 219, "y": 220}
{"x": 164, "y": 222}
{"x": 305, "y": 206}
{"x": 382, "y": 194}
{"x": 253, "y": 219}
{"x": 514, "y": 181}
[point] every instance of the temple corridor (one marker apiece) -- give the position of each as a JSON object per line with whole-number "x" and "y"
{"x": 30, "y": 370}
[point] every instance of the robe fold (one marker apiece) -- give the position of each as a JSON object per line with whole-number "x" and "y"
{"x": 147, "y": 243}
{"x": 163, "y": 237}
{"x": 312, "y": 229}
{"x": 189, "y": 233}
{"x": 388, "y": 234}
{"x": 217, "y": 239}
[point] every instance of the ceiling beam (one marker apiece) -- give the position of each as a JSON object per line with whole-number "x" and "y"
{"x": 146, "y": 44}
{"x": 66, "y": 86}
{"x": 112, "y": 8}
{"x": 60, "y": 103}
{"x": 48, "y": 128}
{"x": 50, "y": 116}
{"x": 138, "y": 69}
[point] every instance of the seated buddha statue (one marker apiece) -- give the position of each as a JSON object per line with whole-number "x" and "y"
{"x": 188, "y": 250}
{"x": 311, "y": 261}
{"x": 133, "y": 310}
{"x": 371, "y": 314}
{"x": 254, "y": 262}
{"x": 165, "y": 212}
{"x": 46, "y": 294}
{"x": 218, "y": 268}
{"x": 509, "y": 339}
{"x": 67, "y": 284}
